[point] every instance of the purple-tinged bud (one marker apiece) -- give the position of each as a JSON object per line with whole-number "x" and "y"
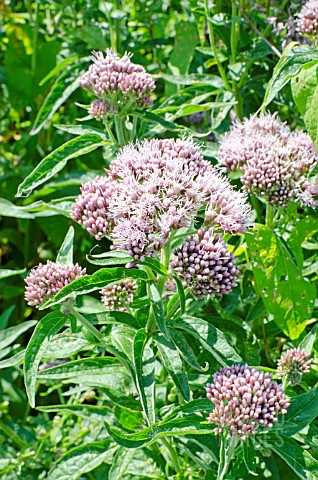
{"x": 119, "y": 295}
{"x": 99, "y": 109}
{"x": 293, "y": 364}
{"x": 307, "y": 19}
{"x": 204, "y": 263}
{"x": 45, "y": 281}
{"x": 247, "y": 401}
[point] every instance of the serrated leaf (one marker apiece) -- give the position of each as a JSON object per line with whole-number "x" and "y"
{"x": 56, "y": 161}
{"x": 189, "y": 425}
{"x": 62, "y": 88}
{"x": 47, "y": 327}
{"x": 79, "y": 460}
{"x": 173, "y": 364}
{"x": 65, "y": 254}
{"x": 157, "y": 307}
{"x": 299, "y": 459}
{"x": 10, "y": 334}
{"x": 144, "y": 362}
{"x": 17, "y": 359}
{"x": 212, "y": 339}
{"x": 97, "y": 281}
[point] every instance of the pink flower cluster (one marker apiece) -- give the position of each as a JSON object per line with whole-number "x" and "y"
{"x": 307, "y": 18}
{"x": 275, "y": 162}
{"x": 246, "y": 400}
{"x": 293, "y": 364}
{"x": 205, "y": 264}
{"x": 45, "y": 281}
{"x": 118, "y": 81}
{"x": 153, "y": 188}
{"x": 119, "y": 295}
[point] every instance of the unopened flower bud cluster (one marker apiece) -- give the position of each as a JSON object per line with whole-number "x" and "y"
{"x": 117, "y": 82}
{"x": 119, "y": 295}
{"x": 307, "y": 19}
{"x": 275, "y": 162}
{"x": 45, "y": 281}
{"x": 293, "y": 364}
{"x": 246, "y": 401}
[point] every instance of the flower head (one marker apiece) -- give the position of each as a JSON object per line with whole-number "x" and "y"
{"x": 99, "y": 109}
{"x": 246, "y": 400}
{"x": 205, "y": 264}
{"x": 307, "y": 19}
{"x": 45, "y": 281}
{"x": 293, "y": 364}
{"x": 118, "y": 80}
{"x": 275, "y": 162}
{"x": 119, "y": 295}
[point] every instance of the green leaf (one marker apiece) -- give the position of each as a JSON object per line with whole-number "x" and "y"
{"x": 153, "y": 118}
{"x": 9, "y": 335}
{"x": 201, "y": 405}
{"x": 120, "y": 464}
{"x": 300, "y": 460}
{"x": 93, "y": 413}
{"x": 173, "y": 364}
{"x": 5, "y": 272}
{"x": 305, "y": 90}
{"x": 8, "y": 209}
{"x": 212, "y": 339}
{"x": 62, "y": 88}
{"x": 301, "y": 412}
{"x": 110, "y": 258}
{"x": 65, "y": 254}
{"x": 185, "y": 349}
{"x": 46, "y": 328}
{"x": 308, "y": 341}
{"x": 144, "y": 362}
{"x": 286, "y": 294}
{"x": 189, "y": 425}
{"x": 155, "y": 265}
{"x": 17, "y": 359}
{"x": 56, "y": 160}
{"x": 157, "y": 307}
{"x": 181, "y": 294}
{"x": 195, "y": 79}
{"x": 77, "y": 368}
{"x": 287, "y": 68}
{"x": 81, "y": 130}
{"x": 97, "y": 281}
{"x": 65, "y": 344}
{"x": 249, "y": 454}
{"x": 79, "y": 460}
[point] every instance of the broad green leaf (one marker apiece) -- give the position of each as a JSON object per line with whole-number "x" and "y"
{"x": 201, "y": 405}
{"x": 120, "y": 343}
{"x": 157, "y": 119}
{"x": 9, "y": 335}
{"x": 305, "y": 91}
{"x": 97, "y": 281}
{"x": 5, "y": 316}
{"x": 308, "y": 341}
{"x": 155, "y": 265}
{"x": 110, "y": 258}
{"x": 8, "y": 209}
{"x": 212, "y": 339}
{"x": 121, "y": 463}
{"x": 144, "y": 362}
{"x": 46, "y": 328}
{"x": 299, "y": 459}
{"x": 62, "y": 88}
{"x": 81, "y": 130}
{"x": 65, "y": 254}
{"x": 17, "y": 359}
{"x": 65, "y": 344}
{"x": 249, "y": 454}
{"x": 185, "y": 349}
{"x": 189, "y": 425}
{"x": 287, "y": 68}
{"x": 157, "y": 307}
{"x": 77, "y": 368}
{"x": 195, "y": 79}
{"x": 5, "y": 272}
{"x": 286, "y": 294}
{"x": 304, "y": 229}
{"x": 55, "y": 161}
{"x": 301, "y": 412}
{"x": 173, "y": 364}
{"x": 120, "y": 398}
{"x": 79, "y": 460}
{"x": 93, "y": 413}
{"x": 115, "y": 317}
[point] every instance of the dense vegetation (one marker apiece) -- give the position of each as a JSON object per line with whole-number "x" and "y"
{"x": 158, "y": 240}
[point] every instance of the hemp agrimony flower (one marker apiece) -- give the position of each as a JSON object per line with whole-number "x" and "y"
{"x": 44, "y": 281}
{"x": 118, "y": 81}
{"x": 119, "y": 295}
{"x": 293, "y": 364}
{"x": 275, "y": 162}
{"x": 246, "y": 401}
{"x": 205, "y": 264}
{"x": 307, "y": 19}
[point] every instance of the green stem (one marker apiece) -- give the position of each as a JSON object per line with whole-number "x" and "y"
{"x": 11, "y": 434}
{"x": 151, "y": 322}
{"x": 110, "y": 133}
{"x": 83, "y": 321}
{"x": 165, "y": 260}
{"x": 213, "y": 47}
{"x": 173, "y": 454}
{"x": 227, "y": 449}
{"x": 270, "y": 213}
{"x": 258, "y": 208}
{"x": 134, "y": 128}
{"x": 173, "y": 310}
{"x": 119, "y": 131}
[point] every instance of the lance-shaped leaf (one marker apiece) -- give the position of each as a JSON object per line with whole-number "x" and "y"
{"x": 65, "y": 254}
{"x": 93, "y": 413}
{"x": 46, "y": 328}
{"x": 144, "y": 362}
{"x": 56, "y": 161}
{"x": 185, "y": 350}
{"x": 77, "y": 368}
{"x": 157, "y": 308}
{"x": 97, "y": 281}
{"x": 9, "y": 335}
{"x": 212, "y": 339}
{"x": 173, "y": 364}
{"x": 17, "y": 359}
